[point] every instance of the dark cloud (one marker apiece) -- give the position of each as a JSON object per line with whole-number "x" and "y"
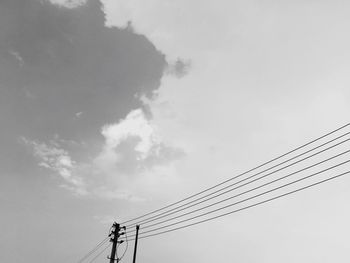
{"x": 57, "y": 62}
{"x": 180, "y": 68}
{"x": 63, "y": 72}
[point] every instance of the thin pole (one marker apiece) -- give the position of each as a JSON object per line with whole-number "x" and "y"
{"x": 136, "y": 239}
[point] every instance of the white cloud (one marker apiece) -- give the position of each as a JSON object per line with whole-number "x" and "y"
{"x": 78, "y": 114}
{"x": 17, "y": 56}
{"x": 128, "y": 167}
{"x": 132, "y": 158}
{"x": 68, "y": 3}
{"x": 59, "y": 161}
{"x": 134, "y": 125}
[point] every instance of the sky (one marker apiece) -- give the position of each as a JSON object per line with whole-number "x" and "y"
{"x": 112, "y": 108}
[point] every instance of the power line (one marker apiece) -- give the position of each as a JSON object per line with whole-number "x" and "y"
{"x": 93, "y": 250}
{"x": 99, "y": 254}
{"x": 258, "y": 187}
{"x": 247, "y": 199}
{"x": 239, "y": 175}
{"x": 247, "y": 207}
{"x": 96, "y": 247}
{"x": 182, "y": 207}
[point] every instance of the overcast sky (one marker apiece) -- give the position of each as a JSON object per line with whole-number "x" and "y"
{"x": 112, "y": 108}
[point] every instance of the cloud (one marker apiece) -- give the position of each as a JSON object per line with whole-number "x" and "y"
{"x": 166, "y": 22}
{"x": 131, "y": 158}
{"x": 78, "y": 114}
{"x": 179, "y": 68}
{"x": 64, "y": 72}
{"x": 17, "y": 57}
{"x": 134, "y": 144}
{"x": 70, "y": 62}
{"x": 68, "y": 3}
{"x": 134, "y": 125}
{"x": 57, "y": 160}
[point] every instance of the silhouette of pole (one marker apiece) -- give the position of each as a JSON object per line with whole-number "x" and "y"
{"x": 136, "y": 239}
{"x": 114, "y": 239}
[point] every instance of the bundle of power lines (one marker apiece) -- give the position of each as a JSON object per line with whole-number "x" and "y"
{"x": 316, "y": 162}
{"x": 101, "y": 247}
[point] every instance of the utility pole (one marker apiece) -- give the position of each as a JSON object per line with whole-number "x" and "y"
{"x": 135, "y": 247}
{"x": 114, "y": 239}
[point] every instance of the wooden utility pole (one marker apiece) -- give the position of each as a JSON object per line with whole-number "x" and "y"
{"x": 114, "y": 239}
{"x": 136, "y": 239}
